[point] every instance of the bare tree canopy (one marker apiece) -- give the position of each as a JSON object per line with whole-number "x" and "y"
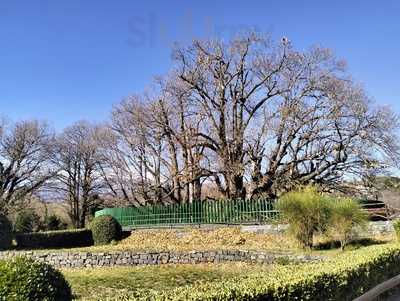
{"x": 76, "y": 156}
{"x": 253, "y": 117}
{"x": 243, "y": 118}
{"x": 24, "y": 157}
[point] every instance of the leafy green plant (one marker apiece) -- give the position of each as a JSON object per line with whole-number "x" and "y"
{"x": 55, "y": 239}
{"x": 105, "y": 229}
{"x": 346, "y": 215}
{"x": 27, "y": 221}
{"x": 23, "y": 279}
{"x": 307, "y": 211}
{"x": 5, "y": 232}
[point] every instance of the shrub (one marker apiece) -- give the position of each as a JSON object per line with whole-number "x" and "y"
{"x": 307, "y": 211}
{"x": 346, "y": 215}
{"x": 105, "y": 229}
{"x": 27, "y": 221}
{"x": 5, "y": 232}
{"x": 55, "y": 239}
{"x": 24, "y": 279}
{"x": 343, "y": 278}
{"x": 53, "y": 223}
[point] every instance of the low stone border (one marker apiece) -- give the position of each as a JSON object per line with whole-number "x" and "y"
{"x": 373, "y": 228}
{"x": 87, "y": 259}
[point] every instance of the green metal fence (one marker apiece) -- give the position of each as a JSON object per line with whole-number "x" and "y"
{"x": 199, "y": 212}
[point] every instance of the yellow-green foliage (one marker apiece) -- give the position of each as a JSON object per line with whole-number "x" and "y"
{"x": 346, "y": 214}
{"x": 344, "y": 278}
{"x": 307, "y": 211}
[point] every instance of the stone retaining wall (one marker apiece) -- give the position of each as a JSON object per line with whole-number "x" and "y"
{"x": 86, "y": 259}
{"x": 381, "y": 227}
{"x": 373, "y": 228}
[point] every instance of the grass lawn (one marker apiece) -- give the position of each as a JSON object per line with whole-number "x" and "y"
{"x": 108, "y": 283}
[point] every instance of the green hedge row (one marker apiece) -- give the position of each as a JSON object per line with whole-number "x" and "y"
{"x": 343, "y": 278}
{"x": 55, "y": 239}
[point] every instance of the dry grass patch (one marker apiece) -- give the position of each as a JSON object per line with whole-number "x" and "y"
{"x": 200, "y": 239}
{"x": 222, "y": 238}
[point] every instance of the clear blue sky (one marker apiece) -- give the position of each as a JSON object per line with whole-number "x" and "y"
{"x": 67, "y": 60}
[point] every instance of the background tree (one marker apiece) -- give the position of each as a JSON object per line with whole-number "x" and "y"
{"x": 133, "y": 154}
{"x": 76, "y": 155}
{"x": 155, "y": 155}
{"x": 27, "y": 221}
{"x": 24, "y": 158}
{"x": 53, "y": 222}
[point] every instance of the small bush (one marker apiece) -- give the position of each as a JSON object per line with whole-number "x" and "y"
{"x": 346, "y": 215}
{"x": 53, "y": 223}
{"x": 5, "y": 232}
{"x": 27, "y": 221}
{"x": 105, "y": 229}
{"x": 307, "y": 211}
{"x": 23, "y": 279}
{"x": 55, "y": 239}
{"x": 396, "y": 226}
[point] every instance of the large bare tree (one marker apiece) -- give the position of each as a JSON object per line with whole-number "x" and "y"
{"x": 77, "y": 158}
{"x": 273, "y": 117}
{"x": 229, "y": 85}
{"x": 24, "y": 158}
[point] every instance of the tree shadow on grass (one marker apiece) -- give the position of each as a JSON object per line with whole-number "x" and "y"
{"x": 354, "y": 244}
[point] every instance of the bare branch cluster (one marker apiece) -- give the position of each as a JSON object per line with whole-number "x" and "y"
{"x": 249, "y": 118}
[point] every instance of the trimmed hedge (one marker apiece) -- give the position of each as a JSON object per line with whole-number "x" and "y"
{"x": 23, "y": 279}
{"x": 5, "y": 232}
{"x": 343, "y": 278}
{"x": 55, "y": 239}
{"x": 105, "y": 229}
